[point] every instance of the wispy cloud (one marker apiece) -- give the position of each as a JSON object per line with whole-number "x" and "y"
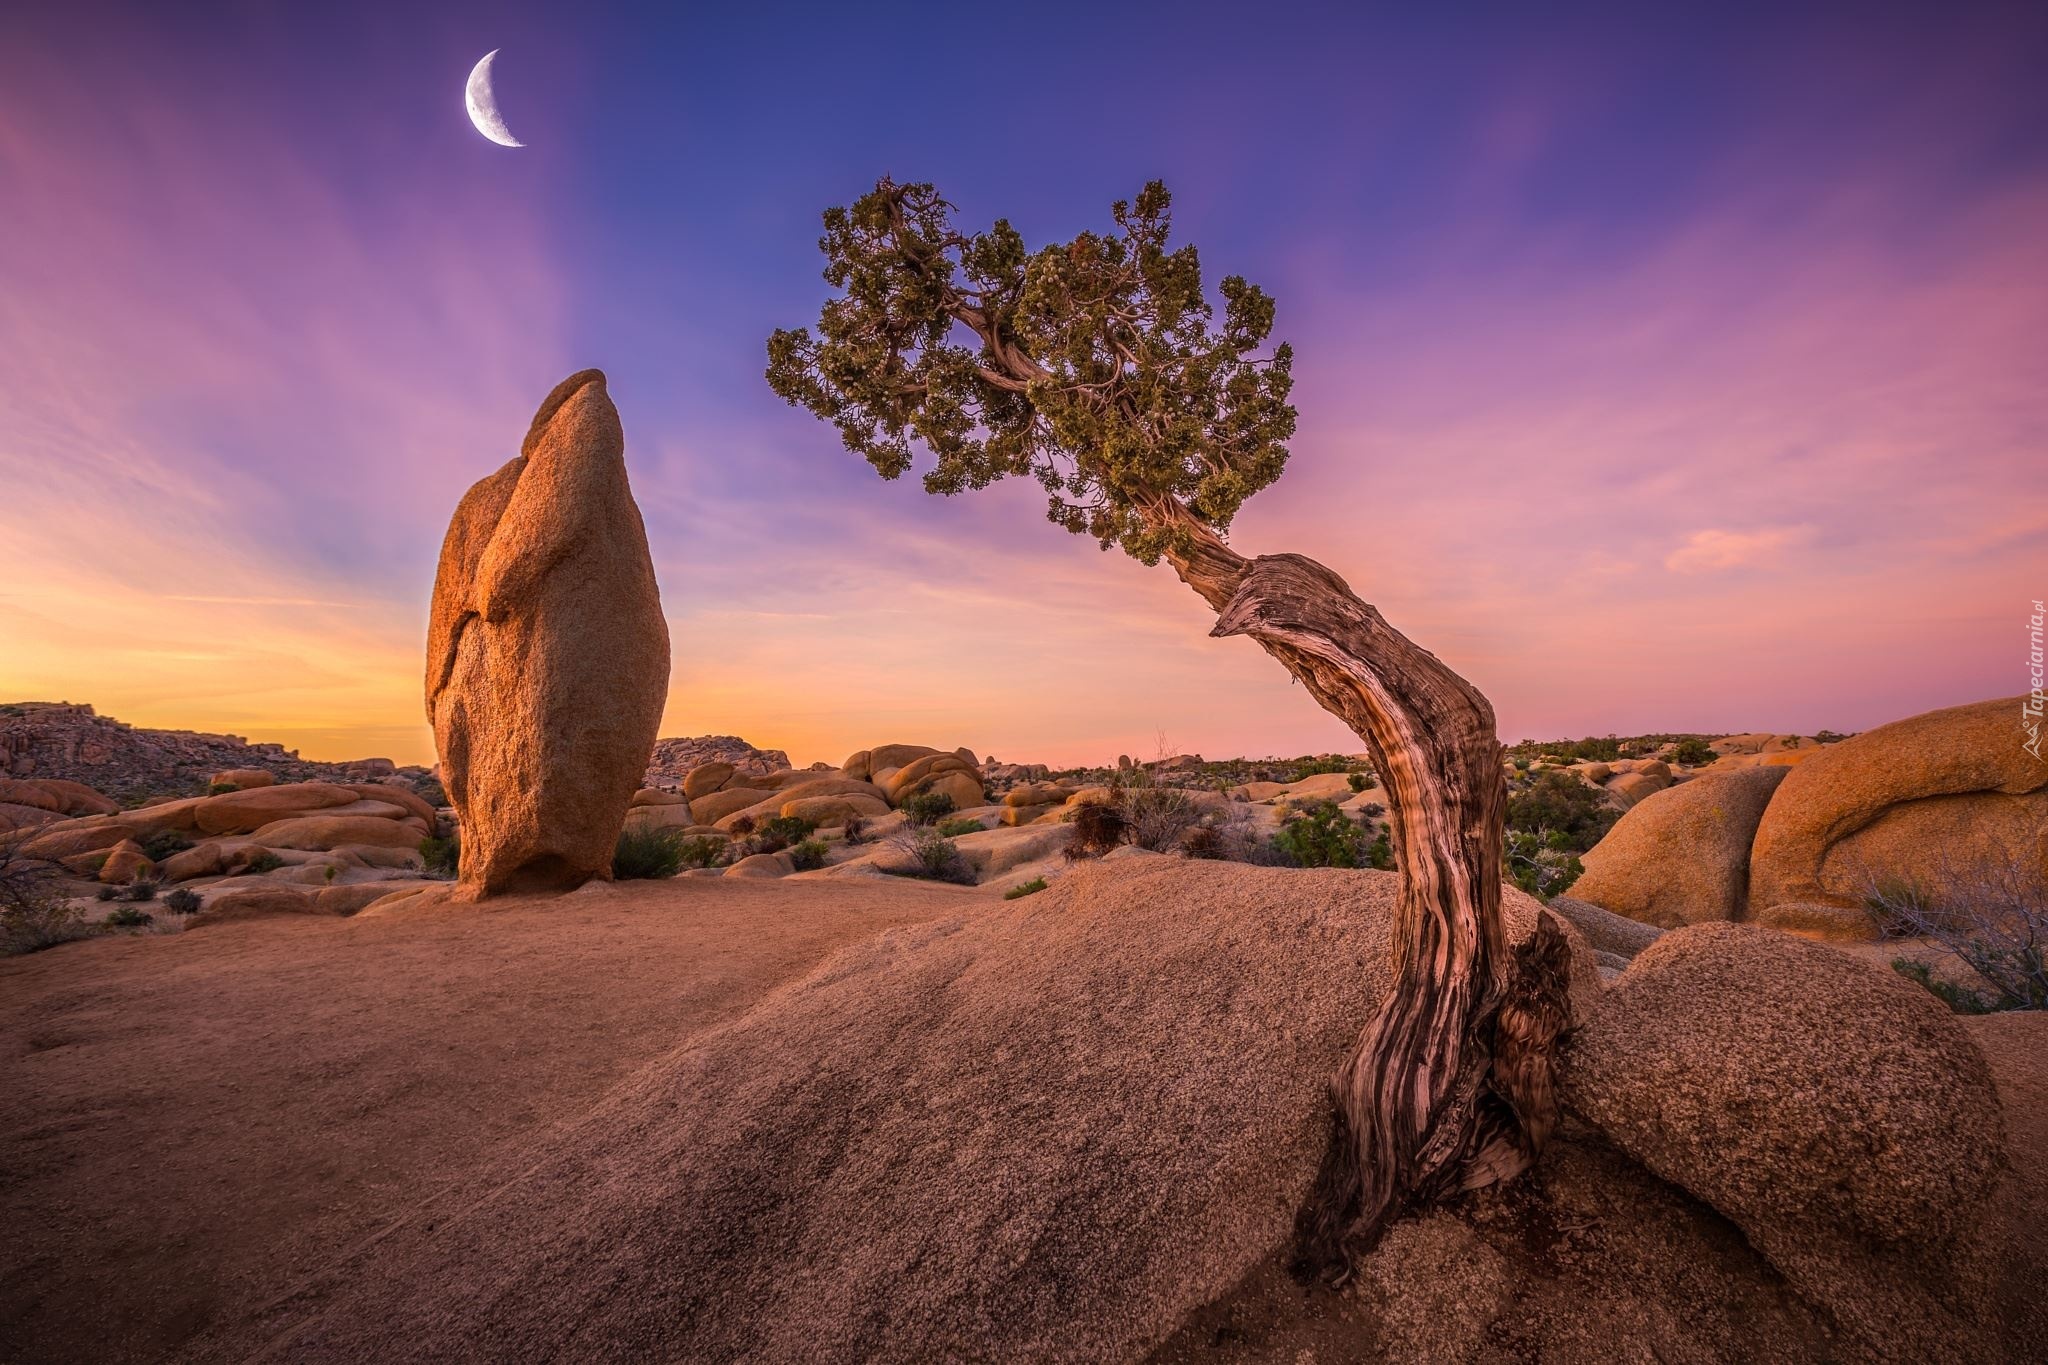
{"x": 1714, "y": 549}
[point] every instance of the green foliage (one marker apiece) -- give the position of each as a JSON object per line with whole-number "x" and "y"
{"x": 1023, "y": 889}
{"x": 1693, "y": 752}
{"x": 162, "y": 844}
{"x": 780, "y": 831}
{"x": 442, "y": 857}
{"x": 926, "y": 808}
{"x": 182, "y": 901}
{"x": 1558, "y": 802}
{"x": 701, "y": 850}
{"x": 1356, "y": 782}
{"x": 1542, "y": 862}
{"x": 128, "y": 917}
{"x": 1959, "y": 999}
{"x": 141, "y": 889}
{"x": 647, "y": 853}
{"x": 1829, "y": 737}
{"x": 221, "y": 788}
{"x": 1092, "y": 366}
{"x": 1380, "y": 854}
{"x": 1322, "y": 834}
{"x": 809, "y": 854}
{"x": 953, "y": 829}
{"x": 262, "y": 861}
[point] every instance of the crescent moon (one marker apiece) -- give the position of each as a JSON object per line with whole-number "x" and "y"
{"x": 483, "y": 104}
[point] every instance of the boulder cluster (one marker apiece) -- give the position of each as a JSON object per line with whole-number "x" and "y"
{"x": 307, "y": 832}
{"x": 720, "y": 798}
{"x": 1805, "y": 838}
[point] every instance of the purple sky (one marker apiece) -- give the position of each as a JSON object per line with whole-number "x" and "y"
{"x": 1681, "y": 373}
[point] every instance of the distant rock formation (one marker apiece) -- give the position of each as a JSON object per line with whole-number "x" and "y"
{"x": 74, "y": 743}
{"x": 674, "y": 758}
{"x": 547, "y": 654}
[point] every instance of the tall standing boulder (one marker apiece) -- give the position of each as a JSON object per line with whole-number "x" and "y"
{"x": 547, "y": 654}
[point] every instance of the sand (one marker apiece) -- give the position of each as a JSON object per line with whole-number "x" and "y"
{"x": 188, "y": 1123}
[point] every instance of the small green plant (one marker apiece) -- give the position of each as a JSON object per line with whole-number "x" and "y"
{"x": 1959, "y": 999}
{"x": 780, "y": 831}
{"x": 441, "y": 857}
{"x": 1321, "y": 834}
{"x": 128, "y": 917}
{"x": 647, "y": 853}
{"x": 1355, "y": 781}
{"x": 1829, "y": 737}
{"x": 221, "y": 788}
{"x": 958, "y": 826}
{"x": 141, "y": 889}
{"x": 162, "y": 844}
{"x": 182, "y": 901}
{"x": 1380, "y": 853}
{"x": 809, "y": 855}
{"x": 926, "y": 808}
{"x": 701, "y": 850}
{"x": 105, "y": 893}
{"x": 1693, "y": 753}
{"x": 1023, "y": 889}
{"x": 332, "y": 872}
{"x": 262, "y": 861}
{"x": 1541, "y": 862}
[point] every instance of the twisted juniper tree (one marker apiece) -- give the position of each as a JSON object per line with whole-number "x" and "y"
{"x": 1099, "y": 368}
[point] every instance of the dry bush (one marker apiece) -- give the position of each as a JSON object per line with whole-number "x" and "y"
{"x": 33, "y": 915}
{"x": 1097, "y": 830}
{"x": 930, "y": 855}
{"x": 1986, "y": 914}
{"x": 1156, "y": 817}
{"x": 1232, "y": 836}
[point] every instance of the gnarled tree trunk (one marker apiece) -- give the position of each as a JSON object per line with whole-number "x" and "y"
{"x": 1450, "y": 1085}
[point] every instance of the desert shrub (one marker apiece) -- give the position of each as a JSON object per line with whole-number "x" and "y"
{"x": 1156, "y": 817}
{"x": 1986, "y": 914}
{"x": 441, "y": 857}
{"x": 926, "y": 808}
{"x": 181, "y": 901}
{"x": 162, "y": 844}
{"x": 221, "y": 788}
{"x": 33, "y": 915}
{"x": 931, "y": 855}
{"x": 1541, "y": 862}
{"x": 784, "y": 830}
{"x": 808, "y": 854}
{"x": 1097, "y": 830}
{"x": 128, "y": 917}
{"x": 141, "y": 889}
{"x": 1356, "y": 781}
{"x": 1829, "y": 737}
{"x": 1023, "y": 889}
{"x": 105, "y": 893}
{"x": 1693, "y": 753}
{"x": 1558, "y": 802}
{"x": 1379, "y": 854}
{"x": 647, "y": 853}
{"x": 1230, "y": 835}
{"x": 742, "y": 826}
{"x": 701, "y": 850}
{"x": 959, "y": 825}
{"x": 1322, "y": 834}
{"x": 1959, "y": 999}
{"x": 262, "y": 861}
{"x": 855, "y": 831}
